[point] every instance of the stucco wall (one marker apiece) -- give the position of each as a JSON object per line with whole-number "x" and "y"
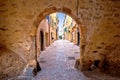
{"x": 44, "y": 27}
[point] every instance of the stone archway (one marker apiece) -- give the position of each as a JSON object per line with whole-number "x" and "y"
{"x": 99, "y": 29}
{"x": 67, "y": 11}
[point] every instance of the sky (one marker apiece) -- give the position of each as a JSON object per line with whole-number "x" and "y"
{"x": 61, "y": 17}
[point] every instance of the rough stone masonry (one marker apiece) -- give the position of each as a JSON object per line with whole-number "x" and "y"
{"x": 99, "y": 26}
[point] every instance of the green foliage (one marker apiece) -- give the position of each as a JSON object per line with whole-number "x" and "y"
{"x": 60, "y": 36}
{"x": 65, "y": 29}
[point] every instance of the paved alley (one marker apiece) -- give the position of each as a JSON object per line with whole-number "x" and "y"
{"x": 57, "y": 62}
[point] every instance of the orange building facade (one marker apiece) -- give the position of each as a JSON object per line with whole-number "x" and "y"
{"x": 71, "y": 30}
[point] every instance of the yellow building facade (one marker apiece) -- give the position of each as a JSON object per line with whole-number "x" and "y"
{"x": 53, "y": 27}
{"x": 70, "y": 29}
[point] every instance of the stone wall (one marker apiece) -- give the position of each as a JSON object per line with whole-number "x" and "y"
{"x": 17, "y": 35}
{"x": 11, "y": 64}
{"x": 103, "y": 39}
{"x": 98, "y": 20}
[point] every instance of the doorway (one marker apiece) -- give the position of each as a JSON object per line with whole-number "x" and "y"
{"x": 42, "y": 40}
{"x": 78, "y": 38}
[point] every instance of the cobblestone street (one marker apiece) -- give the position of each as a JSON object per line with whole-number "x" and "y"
{"x": 57, "y": 62}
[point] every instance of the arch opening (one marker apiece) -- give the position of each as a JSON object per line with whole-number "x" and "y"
{"x": 70, "y": 30}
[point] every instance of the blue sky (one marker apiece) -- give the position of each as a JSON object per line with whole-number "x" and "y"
{"x": 61, "y": 17}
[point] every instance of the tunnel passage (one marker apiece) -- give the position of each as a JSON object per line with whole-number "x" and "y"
{"x": 99, "y": 22}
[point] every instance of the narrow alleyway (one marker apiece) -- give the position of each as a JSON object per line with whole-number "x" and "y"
{"x": 57, "y": 62}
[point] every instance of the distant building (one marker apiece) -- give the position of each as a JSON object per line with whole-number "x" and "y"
{"x": 43, "y": 38}
{"x": 53, "y": 22}
{"x": 70, "y": 30}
